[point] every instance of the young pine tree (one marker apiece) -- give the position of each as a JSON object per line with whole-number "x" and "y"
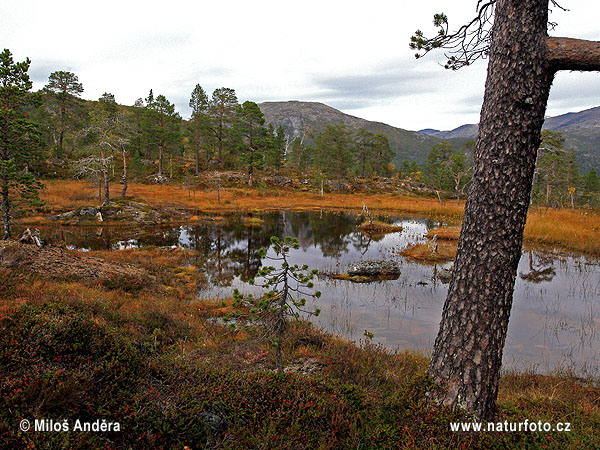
{"x": 287, "y": 287}
{"x": 20, "y": 141}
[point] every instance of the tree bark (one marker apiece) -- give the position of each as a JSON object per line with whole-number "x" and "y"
{"x": 197, "y": 171}
{"x": 106, "y": 188}
{"x": 160, "y": 147}
{"x": 105, "y": 178}
{"x": 5, "y": 207}
{"x": 124, "y": 191}
{"x": 160, "y": 159}
{"x": 467, "y": 352}
{"x": 573, "y": 54}
{"x": 251, "y": 168}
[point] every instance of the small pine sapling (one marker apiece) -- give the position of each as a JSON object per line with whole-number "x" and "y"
{"x": 286, "y": 286}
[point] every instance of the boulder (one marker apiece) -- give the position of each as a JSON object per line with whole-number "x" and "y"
{"x": 89, "y": 211}
{"x": 373, "y": 268}
{"x": 444, "y": 275}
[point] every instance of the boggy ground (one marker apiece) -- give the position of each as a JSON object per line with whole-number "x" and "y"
{"x": 141, "y": 349}
{"x": 567, "y": 229}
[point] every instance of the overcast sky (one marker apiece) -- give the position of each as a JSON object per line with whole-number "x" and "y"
{"x": 352, "y": 55}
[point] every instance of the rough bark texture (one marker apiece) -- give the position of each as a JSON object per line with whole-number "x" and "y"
{"x": 573, "y": 54}
{"x": 5, "y": 208}
{"x": 124, "y": 178}
{"x": 106, "y": 189}
{"x": 468, "y": 350}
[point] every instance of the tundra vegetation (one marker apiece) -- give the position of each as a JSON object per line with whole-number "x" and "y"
{"x": 130, "y": 341}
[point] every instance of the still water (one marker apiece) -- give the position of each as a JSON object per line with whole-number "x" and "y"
{"x": 556, "y": 310}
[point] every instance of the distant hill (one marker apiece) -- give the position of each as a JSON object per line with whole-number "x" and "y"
{"x": 468, "y": 131}
{"x": 581, "y": 131}
{"x": 303, "y": 118}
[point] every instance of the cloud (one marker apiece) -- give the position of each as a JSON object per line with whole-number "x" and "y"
{"x": 40, "y": 69}
{"x": 575, "y": 88}
{"x": 373, "y": 87}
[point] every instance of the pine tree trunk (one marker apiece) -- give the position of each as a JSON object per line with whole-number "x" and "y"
{"x": 251, "y": 169}
{"x": 60, "y": 143}
{"x": 124, "y": 191}
{"x": 5, "y": 207}
{"x": 105, "y": 179}
{"x": 467, "y": 352}
{"x": 197, "y": 152}
{"x": 160, "y": 159}
{"x": 106, "y": 189}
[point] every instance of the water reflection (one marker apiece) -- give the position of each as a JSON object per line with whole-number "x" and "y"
{"x": 556, "y": 310}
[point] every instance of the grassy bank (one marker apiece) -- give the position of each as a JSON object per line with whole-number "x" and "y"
{"x": 145, "y": 352}
{"x": 567, "y": 229}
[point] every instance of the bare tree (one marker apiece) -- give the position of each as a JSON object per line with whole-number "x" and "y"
{"x": 523, "y": 60}
{"x": 109, "y": 136}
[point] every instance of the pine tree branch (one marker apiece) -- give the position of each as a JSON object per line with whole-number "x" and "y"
{"x": 573, "y": 54}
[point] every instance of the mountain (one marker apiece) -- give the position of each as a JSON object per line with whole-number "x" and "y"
{"x": 307, "y": 119}
{"x": 580, "y": 129}
{"x": 583, "y": 120}
{"x": 468, "y": 131}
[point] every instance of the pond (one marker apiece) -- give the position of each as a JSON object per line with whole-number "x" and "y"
{"x": 556, "y": 308}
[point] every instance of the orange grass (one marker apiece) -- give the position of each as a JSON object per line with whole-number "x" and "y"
{"x": 446, "y": 251}
{"x": 572, "y": 229}
{"x": 61, "y": 195}
{"x": 569, "y": 229}
{"x": 545, "y": 392}
{"x": 377, "y": 227}
{"x": 445, "y": 233}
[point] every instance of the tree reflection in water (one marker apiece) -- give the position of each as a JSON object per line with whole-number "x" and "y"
{"x": 556, "y": 304}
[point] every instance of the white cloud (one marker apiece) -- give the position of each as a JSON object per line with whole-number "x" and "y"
{"x": 350, "y": 54}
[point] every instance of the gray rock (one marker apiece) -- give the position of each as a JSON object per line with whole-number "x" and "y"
{"x": 444, "y": 275}
{"x": 90, "y": 211}
{"x": 67, "y": 215}
{"x": 373, "y": 268}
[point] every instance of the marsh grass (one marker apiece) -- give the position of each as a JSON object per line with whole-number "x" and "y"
{"x": 426, "y": 253}
{"x": 378, "y": 227}
{"x": 567, "y": 229}
{"x": 450, "y": 233}
{"x": 158, "y": 360}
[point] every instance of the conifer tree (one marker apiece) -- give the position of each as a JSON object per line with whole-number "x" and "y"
{"x": 20, "y": 141}
{"x": 63, "y": 87}
{"x": 333, "y": 151}
{"x": 160, "y": 125}
{"x": 253, "y": 136}
{"x": 221, "y": 110}
{"x": 523, "y": 59}
{"x": 199, "y": 122}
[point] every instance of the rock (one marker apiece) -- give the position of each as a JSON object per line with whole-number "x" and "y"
{"x": 32, "y": 237}
{"x": 305, "y": 367}
{"x": 281, "y": 181}
{"x": 89, "y": 211}
{"x": 159, "y": 179}
{"x": 373, "y": 268}
{"x": 67, "y": 215}
{"x": 444, "y": 275}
